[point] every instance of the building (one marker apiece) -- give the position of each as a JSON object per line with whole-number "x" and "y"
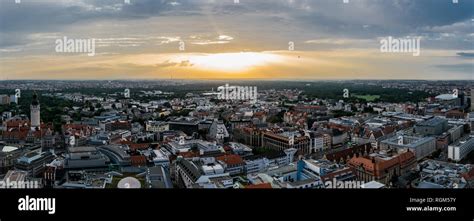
{"x": 287, "y": 140}
{"x": 85, "y": 157}
{"x": 345, "y": 155}
{"x": 472, "y": 99}
{"x": 232, "y": 163}
{"x": 433, "y": 126}
{"x": 328, "y": 170}
{"x": 201, "y": 173}
{"x": 118, "y": 125}
{"x": 261, "y": 162}
{"x": 183, "y": 145}
{"x": 255, "y": 164}
{"x": 187, "y": 125}
{"x": 17, "y": 179}
{"x": 373, "y": 185}
{"x": 455, "y": 114}
{"x": 158, "y": 178}
{"x": 161, "y": 158}
{"x": 421, "y": 146}
{"x": 449, "y": 99}
{"x": 239, "y": 149}
{"x": 218, "y": 132}
{"x": 34, "y": 162}
{"x": 319, "y": 141}
{"x": 35, "y": 110}
{"x": 455, "y": 133}
{"x": 288, "y": 177}
{"x": 471, "y": 121}
{"x": 461, "y": 149}
{"x": 4, "y": 99}
{"x": 117, "y": 154}
{"x": 8, "y": 157}
{"x": 311, "y": 109}
{"x": 442, "y": 141}
{"x": 250, "y": 136}
{"x": 296, "y": 118}
{"x": 81, "y": 179}
{"x": 441, "y": 175}
{"x": 156, "y": 126}
{"x": 382, "y": 166}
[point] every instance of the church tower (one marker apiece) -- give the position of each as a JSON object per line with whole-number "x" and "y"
{"x": 35, "y": 112}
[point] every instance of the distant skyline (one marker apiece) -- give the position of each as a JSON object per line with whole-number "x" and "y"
{"x": 219, "y": 39}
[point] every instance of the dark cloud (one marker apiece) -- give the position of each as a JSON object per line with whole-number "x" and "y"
{"x": 45, "y": 16}
{"x": 359, "y": 19}
{"x": 466, "y": 55}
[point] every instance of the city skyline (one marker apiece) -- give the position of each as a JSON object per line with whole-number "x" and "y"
{"x": 198, "y": 39}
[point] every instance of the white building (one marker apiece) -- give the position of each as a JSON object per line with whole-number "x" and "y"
{"x": 461, "y": 149}
{"x": 316, "y": 142}
{"x": 456, "y": 132}
{"x": 256, "y": 165}
{"x": 421, "y": 146}
{"x": 202, "y": 173}
{"x": 161, "y": 158}
{"x": 156, "y": 126}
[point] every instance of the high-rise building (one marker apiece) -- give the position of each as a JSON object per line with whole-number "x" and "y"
{"x": 4, "y": 99}
{"x": 472, "y": 99}
{"x": 35, "y": 112}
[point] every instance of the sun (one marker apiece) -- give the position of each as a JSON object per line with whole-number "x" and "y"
{"x": 232, "y": 62}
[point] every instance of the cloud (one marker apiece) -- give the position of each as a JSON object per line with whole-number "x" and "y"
{"x": 466, "y": 55}
{"x": 225, "y": 38}
{"x": 462, "y": 68}
{"x": 168, "y": 64}
{"x": 200, "y": 40}
{"x": 213, "y": 26}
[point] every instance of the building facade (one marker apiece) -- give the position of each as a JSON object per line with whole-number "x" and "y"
{"x": 35, "y": 112}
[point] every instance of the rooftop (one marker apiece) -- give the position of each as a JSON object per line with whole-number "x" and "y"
{"x": 408, "y": 141}
{"x": 438, "y": 174}
{"x": 446, "y": 97}
{"x": 432, "y": 122}
{"x": 7, "y": 149}
{"x": 372, "y": 185}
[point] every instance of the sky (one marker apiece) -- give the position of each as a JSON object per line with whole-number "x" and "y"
{"x": 236, "y": 39}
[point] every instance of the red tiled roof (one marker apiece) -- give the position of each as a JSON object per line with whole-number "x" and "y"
{"x": 15, "y": 123}
{"x": 349, "y": 152}
{"x": 259, "y": 186}
{"x": 75, "y": 126}
{"x": 15, "y": 134}
{"x": 362, "y": 161}
{"x": 135, "y": 146}
{"x": 231, "y": 159}
{"x": 140, "y": 146}
{"x": 138, "y": 160}
{"x": 469, "y": 175}
{"x": 388, "y": 130}
{"x": 189, "y": 154}
{"x": 227, "y": 148}
{"x": 376, "y": 165}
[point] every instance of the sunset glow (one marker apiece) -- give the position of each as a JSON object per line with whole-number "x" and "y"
{"x": 297, "y": 39}
{"x": 233, "y": 62}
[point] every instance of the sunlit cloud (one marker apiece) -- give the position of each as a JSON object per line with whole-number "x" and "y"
{"x": 224, "y": 40}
